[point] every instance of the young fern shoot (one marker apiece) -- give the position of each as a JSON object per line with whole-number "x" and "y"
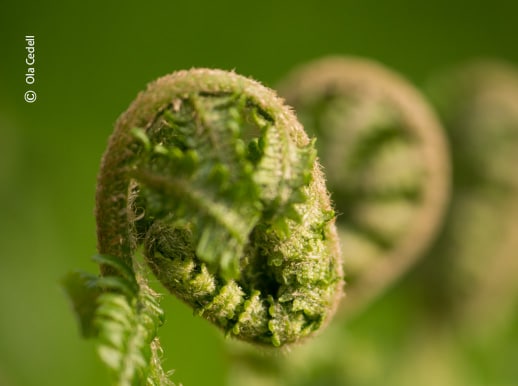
{"x": 386, "y": 162}
{"x": 212, "y": 177}
{"x": 476, "y": 262}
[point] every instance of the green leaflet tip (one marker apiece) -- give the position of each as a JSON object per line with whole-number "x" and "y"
{"x": 82, "y": 292}
{"x": 119, "y": 266}
{"x": 141, "y": 135}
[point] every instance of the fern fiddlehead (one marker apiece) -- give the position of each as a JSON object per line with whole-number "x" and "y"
{"x": 385, "y": 159}
{"x": 215, "y": 181}
{"x": 386, "y": 162}
{"x": 477, "y": 263}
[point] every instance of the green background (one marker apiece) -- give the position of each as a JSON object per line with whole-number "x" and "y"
{"x": 92, "y": 58}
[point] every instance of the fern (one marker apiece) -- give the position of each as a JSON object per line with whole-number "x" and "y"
{"x": 386, "y": 163}
{"x": 212, "y": 177}
{"x": 123, "y": 315}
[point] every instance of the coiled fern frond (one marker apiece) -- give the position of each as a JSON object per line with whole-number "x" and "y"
{"x": 386, "y": 160}
{"x": 213, "y": 179}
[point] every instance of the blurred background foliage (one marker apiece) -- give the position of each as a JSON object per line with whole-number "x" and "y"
{"x": 91, "y": 60}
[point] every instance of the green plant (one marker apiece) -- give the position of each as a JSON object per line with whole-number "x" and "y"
{"x": 475, "y": 257}
{"x": 387, "y": 165}
{"x": 386, "y": 162}
{"x": 214, "y": 181}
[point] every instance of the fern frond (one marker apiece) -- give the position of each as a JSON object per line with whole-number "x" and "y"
{"x": 123, "y": 316}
